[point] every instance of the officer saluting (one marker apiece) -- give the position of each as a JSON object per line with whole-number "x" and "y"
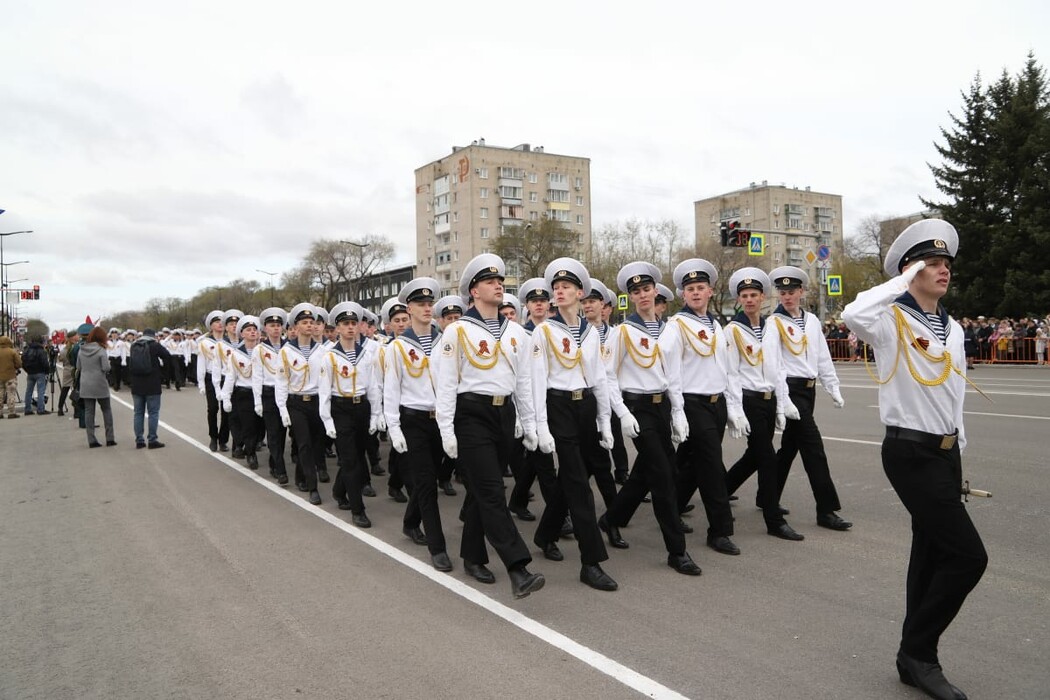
{"x": 482, "y": 376}
{"x": 921, "y": 364}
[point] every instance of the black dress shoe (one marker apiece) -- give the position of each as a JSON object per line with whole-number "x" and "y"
{"x": 479, "y": 572}
{"x": 368, "y": 491}
{"x": 322, "y": 476}
{"x": 301, "y": 485}
{"x": 927, "y": 677}
{"x": 111, "y": 443}
{"x": 414, "y": 534}
{"x": 441, "y": 561}
{"x": 315, "y": 498}
{"x": 378, "y": 471}
{"x": 342, "y": 503}
{"x": 647, "y": 498}
{"x": 684, "y": 527}
{"x": 721, "y": 543}
{"x": 252, "y": 460}
{"x": 329, "y": 453}
{"x": 683, "y": 564}
{"x": 237, "y": 452}
{"x": 613, "y": 533}
{"x": 734, "y": 497}
{"x": 832, "y": 521}
{"x": 566, "y": 528}
{"x": 550, "y": 550}
{"x": 223, "y": 447}
{"x": 523, "y": 514}
{"x": 140, "y": 445}
{"x": 593, "y": 576}
{"x": 282, "y": 479}
{"x": 397, "y": 494}
{"x": 785, "y": 532}
{"x": 522, "y": 582}
{"x": 95, "y": 444}
{"x": 447, "y": 488}
{"x": 688, "y": 508}
{"x": 361, "y": 520}
{"x": 213, "y": 445}
{"x": 155, "y": 445}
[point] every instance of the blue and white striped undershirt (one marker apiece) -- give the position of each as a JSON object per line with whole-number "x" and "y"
{"x": 800, "y": 322}
{"x": 654, "y": 329}
{"x": 937, "y": 326}
{"x": 575, "y": 333}
{"x": 757, "y": 330}
{"x": 425, "y": 341}
{"x": 706, "y": 321}
{"x": 494, "y": 326}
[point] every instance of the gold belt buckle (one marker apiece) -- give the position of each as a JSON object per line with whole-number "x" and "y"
{"x": 357, "y": 399}
{"x": 810, "y": 383}
{"x": 714, "y": 398}
{"x": 432, "y": 414}
{"x": 306, "y": 397}
{"x": 658, "y": 398}
{"x": 766, "y": 396}
{"x": 577, "y": 394}
{"x": 498, "y": 400}
{"x": 948, "y": 442}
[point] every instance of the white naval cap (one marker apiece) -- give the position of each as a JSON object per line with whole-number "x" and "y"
{"x": 451, "y": 304}
{"x": 215, "y": 315}
{"x": 419, "y": 289}
{"x": 694, "y": 270}
{"x": 664, "y": 292}
{"x": 923, "y": 239}
{"x": 392, "y": 307}
{"x": 637, "y": 273}
{"x": 513, "y": 301}
{"x": 165, "y": 329}
{"x": 534, "y": 288}
{"x": 347, "y": 310}
{"x": 570, "y": 270}
{"x": 598, "y": 290}
{"x": 178, "y": 331}
{"x": 481, "y": 267}
{"x": 274, "y": 314}
{"x": 114, "y": 330}
{"x": 748, "y": 278}
{"x": 246, "y": 321}
{"x": 789, "y": 277}
{"x": 320, "y": 314}
{"x": 232, "y": 315}
{"x": 371, "y": 317}
{"x": 300, "y": 311}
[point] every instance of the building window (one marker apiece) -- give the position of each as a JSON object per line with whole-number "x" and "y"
{"x": 776, "y": 224}
{"x": 558, "y": 196}
{"x": 533, "y": 178}
{"x": 579, "y": 200}
{"x": 483, "y": 193}
{"x": 794, "y": 223}
{"x": 534, "y": 216}
{"x": 429, "y": 241}
{"x": 455, "y": 216}
{"x": 776, "y": 240}
{"x": 455, "y": 236}
{"x": 559, "y": 215}
{"x": 484, "y": 213}
{"x": 483, "y": 173}
{"x": 509, "y": 192}
{"x": 455, "y": 255}
{"x": 533, "y": 196}
{"x": 579, "y": 182}
{"x": 455, "y": 274}
{"x": 776, "y": 208}
{"x": 557, "y": 179}
{"x": 579, "y": 219}
{"x": 484, "y": 232}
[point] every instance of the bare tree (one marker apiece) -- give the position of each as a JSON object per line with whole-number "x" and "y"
{"x": 527, "y": 249}
{"x": 337, "y": 266}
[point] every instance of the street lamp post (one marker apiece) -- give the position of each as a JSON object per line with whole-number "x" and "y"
{"x": 4, "y": 326}
{"x": 271, "y": 274}
{"x": 3, "y": 296}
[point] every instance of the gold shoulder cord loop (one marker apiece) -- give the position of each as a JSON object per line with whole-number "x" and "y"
{"x": 789, "y": 342}
{"x": 643, "y": 360}
{"x": 244, "y": 375}
{"x": 472, "y": 353}
{"x": 208, "y": 354}
{"x": 337, "y": 375}
{"x": 289, "y": 370}
{"x": 265, "y": 364}
{"x": 687, "y": 334}
{"x": 740, "y": 349}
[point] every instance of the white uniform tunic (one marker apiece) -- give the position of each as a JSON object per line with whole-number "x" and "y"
{"x": 118, "y": 349}
{"x": 208, "y": 361}
{"x": 695, "y": 352}
{"x": 349, "y": 375}
{"x": 265, "y": 365}
{"x": 409, "y": 378}
{"x": 297, "y": 373}
{"x": 561, "y": 362}
{"x": 751, "y": 365}
{"x": 802, "y": 354}
{"x": 635, "y": 357}
{"x": 237, "y": 372}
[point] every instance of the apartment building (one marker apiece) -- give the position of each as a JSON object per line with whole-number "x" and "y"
{"x": 464, "y": 201}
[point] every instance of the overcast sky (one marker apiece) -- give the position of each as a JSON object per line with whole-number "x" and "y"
{"x": 159, "y": 149}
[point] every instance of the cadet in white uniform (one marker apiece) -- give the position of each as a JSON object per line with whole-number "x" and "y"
{"x": 921, "y": 375}
{"x": 803, "y": 357}
{"x": 226, "y": 346}
{"x": 447, "y": 310}
{"x": 265, "y": 365}
{"x": 237, "y": 397}
{"x": 117, "y": 352}
{"x": 592, "y": 311}
{"x": 394, "y": 315}
{"x": 482, "y": 381}
{"x": 209, "y": 379}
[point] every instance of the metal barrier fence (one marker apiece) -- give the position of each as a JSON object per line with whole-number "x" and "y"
{"x": 1013, "y": 351}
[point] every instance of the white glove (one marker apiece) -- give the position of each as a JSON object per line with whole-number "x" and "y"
{"x": 330, "y": 432}
{"x": 397, "y": 438}
{"x": 530, "y": 440}
{"x": 836, "y": 398}
{"x": 629, "y": 426}
{"x": 518, "y": 430}
{"x": 791, "y": 411}
{"x": 545, "y": 439}
{"x": 204, "y": 390}
{"x": 739, "y": 426}
{"x": 450, "y": 445}
{"x": 908, "y": 275}
{"x": 286, "y": 420}
{"x": 606, "y": 437}
{"x": 373, "y": 425}
{"x": 227, "y": 406}
{"x": 258, "y": 410}
{"x": 381, "y": 422}
{"x": 679, "y": 427}
{"x": 781, "y": 421}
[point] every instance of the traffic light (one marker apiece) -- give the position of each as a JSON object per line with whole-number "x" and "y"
{"x": 724, "y": 232}
{"x": 36, "y": 291}
{"x": 25, "y": 294}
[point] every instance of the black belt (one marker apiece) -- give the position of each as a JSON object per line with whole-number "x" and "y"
{"x": 306, "y": 398}
{"x": 764, "y": 395}
{"x": 242, "y": 389}
{"x": 701, "y": 398}
{"x": 267, "y": 390}
{"x": 349, "y": 399}
{"x": 418, "y": 413}
{"x": 802, "y": 382}
{"x": 941, "y": 442}
{"x": 576, "y": 395}
{"x": 647, "y": 398}
{"x": 484, "y": 398}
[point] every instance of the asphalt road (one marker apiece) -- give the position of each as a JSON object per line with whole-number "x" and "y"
{"x": 178, "y": 573}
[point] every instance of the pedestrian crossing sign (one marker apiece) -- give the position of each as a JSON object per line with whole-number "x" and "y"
{"x": 622, "y": 302}
{"x": 756, "y": 244}
{"x": 834, "y": 285}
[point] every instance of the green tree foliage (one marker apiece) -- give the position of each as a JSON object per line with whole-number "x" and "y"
{"x": 995, "y": 177}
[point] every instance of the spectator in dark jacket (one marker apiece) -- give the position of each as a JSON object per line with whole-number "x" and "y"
{"x": 10, "y": 366}
{"x": 145, "y": 388}
{"x": 36, "y": 364}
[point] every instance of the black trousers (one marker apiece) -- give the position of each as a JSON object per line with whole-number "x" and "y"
{"x": 244, "y": 417}
{"x": 803, "y": 436}
{"x": 533, "y": 467}
{"x": 947, "y": 555}
{"x": 191, "y": 371}
{"x": 178, "y": 369}
{"x": 351, "y": 437}
{"x": 448, "y": 465}
{"x": 485, "y": 434}
{"x": 574, "y": 425}
{"x": 115, "y": 373}
{"x": 759, "y": 456}
{"x": 218, "y": 423}
{"x": 309, "y": 433}
{"x": 419, "y": 468}
{"x": 619, "y": 450}
{"x": 653, "y": 472}
{"x": 699, "y": 461}
{"x": 275, "y": 432}
{"x": 396, "y": 479}
{"x": 600, "y": 470}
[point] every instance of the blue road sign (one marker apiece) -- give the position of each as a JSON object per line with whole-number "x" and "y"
{"x": 824, "y": 252}
{"x": 756, "y": 245}
{"x": 834, "y": 285}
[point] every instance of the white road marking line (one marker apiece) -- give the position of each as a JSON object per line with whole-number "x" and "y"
{"x": 596, "y": 660}
{"x": 968, "y": 391}
{"x": 1005, "y": 415}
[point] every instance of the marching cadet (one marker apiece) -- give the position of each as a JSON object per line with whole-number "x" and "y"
{"x": 510, "y": 307}
{"x": 695, "y": 349}
{"x": 754, "y": 376}
{"x": 226, "y": 346}
{"x": 180, "y": 358}
{"x": 264, "y": 377}
{"x": 482, "y": 382}
{"x": 209, "y": 380}
{"x": 803, "y": 357}
{"x": 128, "y": 337}
{"x": 318, "y": 329}
{"x": 238, "y": 398}
{"x": 619, "y": 450}
{"x": 366, "y": 332}
{"x": 447, "y": 310}
{"x": 602, "y": 468}
{"x": 296, "y": 396}
{"x": 351, "y": 406}
{"x": 408, "y": 402}
{"x": 663, "y": 296}
{"x": 117, "y": 352}
{"x": 646, "y": 417}
{"x": 193, "y": 347}
{"x": 394, "y": 317}
{"x": 571, "y": 400}
{"x": 921, "y": 377}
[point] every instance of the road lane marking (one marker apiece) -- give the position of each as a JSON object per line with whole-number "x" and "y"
{"x": 596, "y": 660}
{"x": 968, "y": 391}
